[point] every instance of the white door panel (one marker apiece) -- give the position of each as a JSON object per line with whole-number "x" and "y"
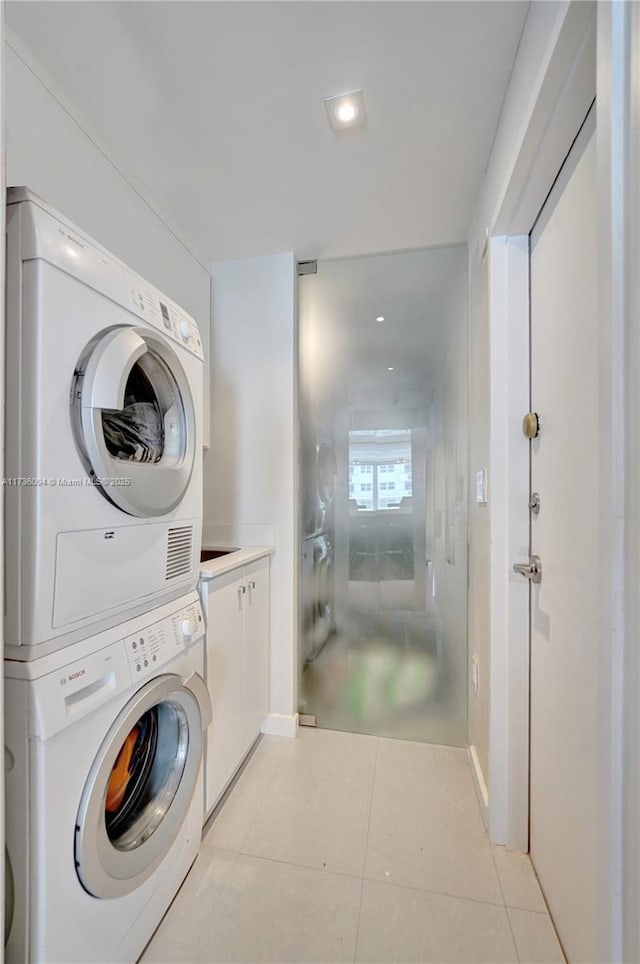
{"x": 564, "y": 471}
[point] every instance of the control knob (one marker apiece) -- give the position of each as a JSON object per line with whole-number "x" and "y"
{"x": 185, "y": 331}
{"x": 187, "y": 628}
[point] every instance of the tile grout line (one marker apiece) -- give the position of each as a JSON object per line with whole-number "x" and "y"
{"x": 504, "y": 899}
{"x": 435, "y": 893}
{"x": 289, "y": 863}
{"x": 248, "y": 853}
{"x": 226, "y": 883}
{"x": 366, "y": 849}
{"x": 165, "y": 917}
{"x": 228, "y": 796}
{"x": 257, "y": 813}
{"x": 376, "y": 880}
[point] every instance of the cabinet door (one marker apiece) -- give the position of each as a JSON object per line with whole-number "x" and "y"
{"x": 225, "y": 678}
{"x": 256, "y": 647}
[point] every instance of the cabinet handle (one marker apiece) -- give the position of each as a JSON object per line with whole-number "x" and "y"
{"x": 252, "y": 584}
{"x": 242, "y": 590}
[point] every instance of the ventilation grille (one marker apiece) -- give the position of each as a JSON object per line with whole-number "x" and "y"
{"x": 179, "y": 551}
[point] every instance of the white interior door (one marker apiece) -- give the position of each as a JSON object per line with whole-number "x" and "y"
{"x": 564, "y": 606}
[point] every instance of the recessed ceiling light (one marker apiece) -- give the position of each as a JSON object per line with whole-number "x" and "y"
{"x": 346, "y": 110}
{"x": 390, "y": 368}
{"x": 380, "y": 318}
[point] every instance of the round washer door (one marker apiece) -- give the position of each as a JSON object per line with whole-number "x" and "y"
{"x": 141, "y": 785}
{"x": 134, "y": 420}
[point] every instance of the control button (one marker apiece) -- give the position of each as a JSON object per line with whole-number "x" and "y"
{"x": 142, "y": 640}
{"x": 138, "y": 667}
{"x": 146, "y": 662}
{"x": 187, "y": 628}
{"x": 154, "y": 657}
{"x": 185, "y": 331}
{"x": 134, "y": 645}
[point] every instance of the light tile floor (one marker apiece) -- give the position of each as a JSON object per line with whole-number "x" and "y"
{"x": 342, "y": 847}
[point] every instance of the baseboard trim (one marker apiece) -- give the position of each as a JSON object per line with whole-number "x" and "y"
{"x": 479, "y": 785}
{"x": 281, "y": 724}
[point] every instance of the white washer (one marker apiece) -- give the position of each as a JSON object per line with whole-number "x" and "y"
{"x": 104, "y": 461}
{"x": 104, "y": 796}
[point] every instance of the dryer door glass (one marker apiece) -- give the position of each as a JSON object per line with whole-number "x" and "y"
{"x": 134, "y": 420}
{"x": 136, "y": 432}
{"x": 140, "y": 788}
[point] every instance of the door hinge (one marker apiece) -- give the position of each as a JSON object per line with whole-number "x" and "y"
{"x": 306, "y": 719}
{"x": 307, "y": 267}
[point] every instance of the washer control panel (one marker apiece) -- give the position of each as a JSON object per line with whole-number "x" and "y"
{"x": 158, "y": 643}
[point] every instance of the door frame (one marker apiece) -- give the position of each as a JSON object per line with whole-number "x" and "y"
{"x": 567, "y": 83}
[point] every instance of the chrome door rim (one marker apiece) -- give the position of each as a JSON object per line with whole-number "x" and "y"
{"x": 105, "y": 870}
{"x": 139, "y": 489}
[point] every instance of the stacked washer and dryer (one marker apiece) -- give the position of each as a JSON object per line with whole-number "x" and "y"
{"x": 105, "y": 701}
{"x": 319, "y": 474}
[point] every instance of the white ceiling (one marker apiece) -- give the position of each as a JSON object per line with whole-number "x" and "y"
{"x": 218, "y": 108}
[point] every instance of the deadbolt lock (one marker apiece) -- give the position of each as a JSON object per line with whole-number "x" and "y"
{"x": 531, "y": 425}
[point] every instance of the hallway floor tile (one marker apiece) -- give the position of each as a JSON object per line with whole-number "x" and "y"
{"x": 341, "y": 847}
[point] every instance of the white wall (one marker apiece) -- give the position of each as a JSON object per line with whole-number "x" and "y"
{"x": 56, "y": 153}
{"x": 251, "y": 467}
{"x": 618, "y": 133}
{"x": 543, "y": 23}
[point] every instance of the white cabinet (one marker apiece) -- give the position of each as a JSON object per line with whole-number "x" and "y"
{"x": 237, "y": 669}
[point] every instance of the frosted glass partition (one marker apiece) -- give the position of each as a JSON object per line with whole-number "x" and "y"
{"x": 383, "y": 481}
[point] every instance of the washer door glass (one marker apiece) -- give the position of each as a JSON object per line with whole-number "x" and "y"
{"x": 134, "y": 420}
{"x": 140, "y": 788}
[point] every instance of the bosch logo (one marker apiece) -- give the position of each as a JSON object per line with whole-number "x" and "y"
{"x": 78, "y": 673}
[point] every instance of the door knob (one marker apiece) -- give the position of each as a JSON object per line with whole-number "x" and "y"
{"x": 531, "y": 425}
{"x": 531, "y": 570}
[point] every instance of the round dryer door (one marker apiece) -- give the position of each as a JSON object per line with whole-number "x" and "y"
{"x": 141, "y": 786}
{"x": 134, "y": 420}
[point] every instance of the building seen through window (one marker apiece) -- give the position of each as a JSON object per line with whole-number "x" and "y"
{"x": 380, "y": 473}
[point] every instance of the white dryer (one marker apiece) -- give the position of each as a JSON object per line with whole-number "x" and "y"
{"x": 104, "y": 795}
{"x": 103, "y": 419}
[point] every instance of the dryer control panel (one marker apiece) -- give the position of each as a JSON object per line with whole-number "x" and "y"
{"x": 156, "y": 644}
{"x": 148, "y": 303}
{"x": 46, "y": 234}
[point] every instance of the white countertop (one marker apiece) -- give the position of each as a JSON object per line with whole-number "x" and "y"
{"x": 217, "y": 567}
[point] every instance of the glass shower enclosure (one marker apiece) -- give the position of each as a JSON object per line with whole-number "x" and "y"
{"x": 383, "y": 481}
